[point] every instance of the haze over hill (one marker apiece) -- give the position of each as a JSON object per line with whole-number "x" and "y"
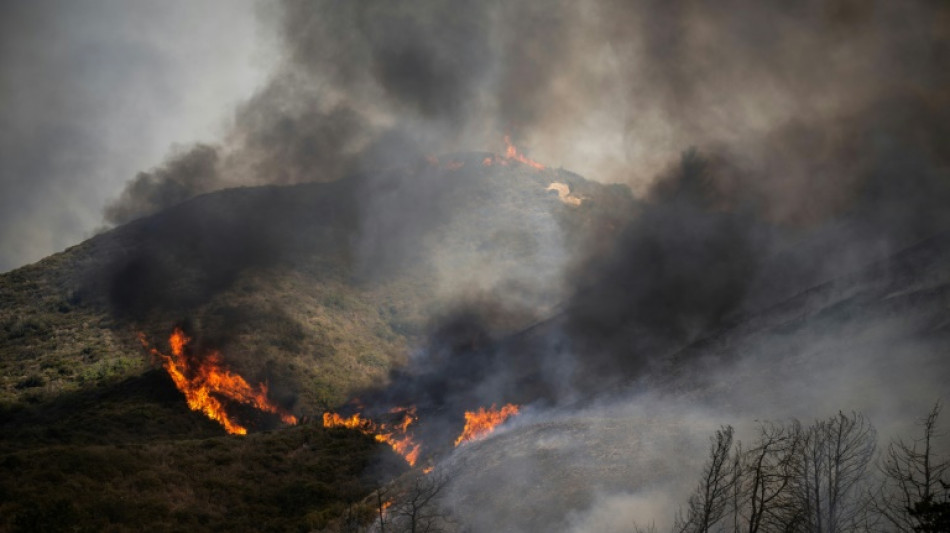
{"x": 344, "y": 279}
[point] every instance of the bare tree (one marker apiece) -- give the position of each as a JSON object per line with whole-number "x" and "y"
{"x": 381, "y": 500}
{"x": 792, "y": 479}
{"x": 764, "y": 478}
{"x": 914, "y": 476}
{"x": 711, "y": 499}
{"x": 416, "y": 508}
{"x": 833, "y": 461}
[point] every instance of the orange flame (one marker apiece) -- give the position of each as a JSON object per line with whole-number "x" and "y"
{"x": 396, "y": 435}
{"x": 482, "y": 422}
{"x": 512, "y": 153}
{"x": 204, "y": 382}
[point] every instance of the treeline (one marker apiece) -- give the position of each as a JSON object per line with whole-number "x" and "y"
{"x": 820, "y": 478}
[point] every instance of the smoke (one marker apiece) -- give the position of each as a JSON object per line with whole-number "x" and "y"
{"x": 92, "y": 94}
{"x": 769, "y": 148}
{"x": 819, "y": 108}
{"x": 188, "y": 174}
{"x": 819, "y": 132}
{"x": 633, "y": 456}
{"x": 819, "y": 135}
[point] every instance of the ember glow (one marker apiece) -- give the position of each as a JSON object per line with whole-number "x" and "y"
{"x": 484, "y": 421}
{"x": 394, "y": 434}
{"x": 207, "y": 384}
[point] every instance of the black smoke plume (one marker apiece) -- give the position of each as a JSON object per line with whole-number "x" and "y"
{"x": 821, "y": 144}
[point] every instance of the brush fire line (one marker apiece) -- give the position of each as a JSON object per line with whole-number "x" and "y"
{"x": 395, "y": 435}
{"x": 482, "y": 422}
{"x": 478, "y": 424}
{"x": 511, "y": 154}
{"x": 206, "y": 381}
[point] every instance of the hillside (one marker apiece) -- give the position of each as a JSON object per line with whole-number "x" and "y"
{"x": 317, "y": 290}
{"x": 438, "y": 285}
{"x": 872, "y": 341}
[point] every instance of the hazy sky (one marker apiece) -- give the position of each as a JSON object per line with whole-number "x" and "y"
{"x": 92, "y": 92}
{"x": 818, "y": 108}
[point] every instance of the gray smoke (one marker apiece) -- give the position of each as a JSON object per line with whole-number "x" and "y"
{"x": 819, "y": 132}
{"x": 770, "y": 147}
{"x": 91, "y": 93}
{"x": 818, "y": 106}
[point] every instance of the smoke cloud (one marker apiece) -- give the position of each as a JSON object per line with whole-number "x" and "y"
{"x": 819, "y": 108}
{"x": 93, "y": 93}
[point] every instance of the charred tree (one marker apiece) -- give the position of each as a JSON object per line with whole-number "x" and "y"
{"x": 417, "y": 509}
{"x": 791, "y": 479}
{"x": 914, "y": 495}
{"x": 711, "y": 499}
{"x": 764, "y": 477}
{"x": 832, "y": 466}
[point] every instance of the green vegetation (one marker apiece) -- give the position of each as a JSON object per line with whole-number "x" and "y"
{"x": 291, "y": 480}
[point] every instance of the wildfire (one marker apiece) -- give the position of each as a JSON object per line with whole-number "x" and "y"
{"x": 511, "y": 154}
{"x": 484, "y": 421}
{"x": 396, "y": 434}
{"x": 206, "y": 381}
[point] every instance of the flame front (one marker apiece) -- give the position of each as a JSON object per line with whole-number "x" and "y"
{"x": 511, "y": 154}
{"x": 484, "y": 421}
{"x": 205, "y": 382}
{"x": 395, "y": 435}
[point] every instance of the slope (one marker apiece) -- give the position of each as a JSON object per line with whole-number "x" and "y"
{"x": 317, "y": 290}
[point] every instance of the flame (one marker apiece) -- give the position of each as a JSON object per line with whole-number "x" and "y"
{"x": 395, "y": 435}
{"x": 511, "y": 153}
{"x": 205, "y": 381}
{"x": 564, "y": 193}
{"x": 482, "y": 422}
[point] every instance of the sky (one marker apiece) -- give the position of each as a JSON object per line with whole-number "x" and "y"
{"x": 93, "y": 92}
